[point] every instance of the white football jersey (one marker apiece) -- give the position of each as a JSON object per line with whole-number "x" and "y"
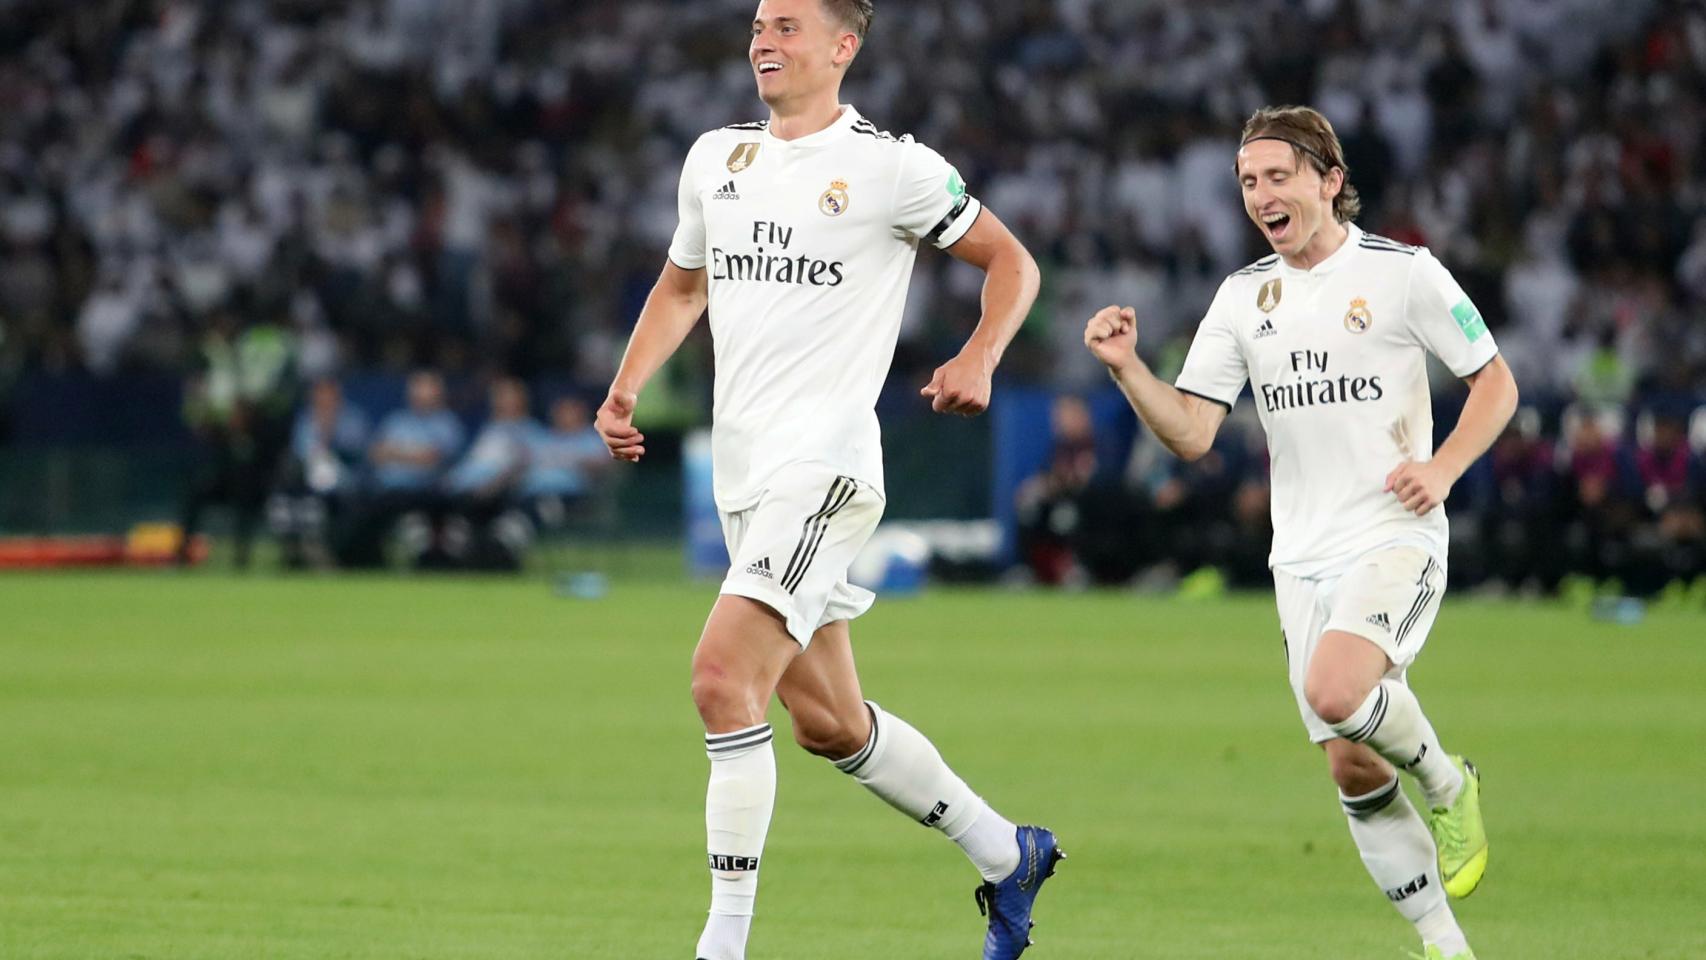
{"x": 1336, "y": 358}
{"x": 808, "y": 247}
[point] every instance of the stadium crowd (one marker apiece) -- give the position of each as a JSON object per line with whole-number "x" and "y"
{"x": 485, "y": 187}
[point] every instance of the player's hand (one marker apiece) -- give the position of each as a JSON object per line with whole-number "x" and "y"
{"x": 961, "y": 386}
{"x": 1111, "y": 335}
{"x": 615, "y": 425}
{"x": 1420, "y": 487}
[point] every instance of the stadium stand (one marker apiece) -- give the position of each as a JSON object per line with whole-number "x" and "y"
{"x": 486, "y": 188}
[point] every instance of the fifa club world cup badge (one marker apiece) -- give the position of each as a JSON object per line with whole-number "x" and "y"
{"x": 1357, "y": 318}
{"x": 743, "y": 157}
{"x": 1268, "y": 297}
{"x": 833, "y": 203}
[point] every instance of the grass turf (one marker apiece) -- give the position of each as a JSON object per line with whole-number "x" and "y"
{"x": 211, "y": 767}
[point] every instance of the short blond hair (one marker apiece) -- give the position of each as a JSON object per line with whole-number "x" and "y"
{"x": 855, "y": 15}
{"x": 1313, "y": 142}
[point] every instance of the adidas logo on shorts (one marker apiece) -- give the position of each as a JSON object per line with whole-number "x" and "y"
{"x": 1379, "y": 620}
{"x": 726, "y": 192}
{"x": 761, "y": 569}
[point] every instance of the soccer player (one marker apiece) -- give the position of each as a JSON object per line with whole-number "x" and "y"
{"x": 1332, "y": 331}
{"x": 799, "y": 234}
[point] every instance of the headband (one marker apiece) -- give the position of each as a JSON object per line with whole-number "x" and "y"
{"x": 1323, "y": 161}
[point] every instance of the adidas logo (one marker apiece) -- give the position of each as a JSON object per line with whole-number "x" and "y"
{"x": 1379, "y": 620}
{"x": 761, "y": 569}
{"x": 1266, "y": 329}
{"x": 726, "y": 192}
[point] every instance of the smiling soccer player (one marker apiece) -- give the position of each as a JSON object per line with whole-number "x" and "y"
{"x": 1333, "y": 332}
{"x": 799, "y": 233}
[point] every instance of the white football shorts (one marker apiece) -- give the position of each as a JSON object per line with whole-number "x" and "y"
{"x": 1389, "y": 596}
{"x": 790, "y": 551}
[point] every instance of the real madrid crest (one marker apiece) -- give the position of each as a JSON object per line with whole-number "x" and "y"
{"x": 743, "y": 157}
{"x": 834, "y": 201}
{"x": 1268, "y": 297}
{"x": 1358, "y": 318}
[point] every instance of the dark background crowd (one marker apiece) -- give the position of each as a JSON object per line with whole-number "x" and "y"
{"x": 246, "y": 198}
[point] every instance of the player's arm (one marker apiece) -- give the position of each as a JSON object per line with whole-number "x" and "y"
{"x": 1420, "y": 487}
{"x": 1444, "y": 322}
{"x": 1011, "y": 280}
{"x": 673, "y": 307}
{"x": 1185, "y": 423}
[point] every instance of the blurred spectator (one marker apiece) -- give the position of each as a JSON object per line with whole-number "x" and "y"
{"x": 482, "y": 486}
{"x": 1518, "y": 544}
{"x": 1050, "y": 504}
{"x": 415, "y": 445}
{"x": 411, "y": 450}
{"x": 492, "y": 470}
{"x": 1601, "y": 496}
{"x": 565, "y": 462}
{"x": 1674, "y": 496}
{"x": 239, "y": 406}
{"x": 323, "y": 477}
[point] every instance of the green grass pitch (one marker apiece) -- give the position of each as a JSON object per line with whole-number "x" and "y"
{"x": 212, "y": 767}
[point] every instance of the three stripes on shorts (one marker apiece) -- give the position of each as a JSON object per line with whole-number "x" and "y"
{"x": 1423, "y": 598}
{"x": 841, "y": 491}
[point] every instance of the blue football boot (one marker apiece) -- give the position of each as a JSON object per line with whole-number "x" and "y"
{"x": 1008, "y": 904}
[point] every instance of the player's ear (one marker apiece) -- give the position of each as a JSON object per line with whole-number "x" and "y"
{"x": 1333, "y": 183}
{"x": 846, "y": 48}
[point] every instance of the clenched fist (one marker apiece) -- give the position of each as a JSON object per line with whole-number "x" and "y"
{"x": 960, "y": 386}
{"x": 1112, "y": 336}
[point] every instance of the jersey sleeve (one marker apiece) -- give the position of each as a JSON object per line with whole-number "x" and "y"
{"x": 1215, "y": 368}
{"x": 1443, "y": 320}
{"x": 687, "y": 249}
{"x": 931, "y": 201}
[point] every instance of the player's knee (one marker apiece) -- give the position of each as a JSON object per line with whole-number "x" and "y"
{"x": 1332, "y": 699}
{"x": 723, "y": 703}
{"x": 825, "y": 733}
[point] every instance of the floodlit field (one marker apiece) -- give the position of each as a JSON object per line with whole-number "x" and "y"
{"x": 209, "y": 767}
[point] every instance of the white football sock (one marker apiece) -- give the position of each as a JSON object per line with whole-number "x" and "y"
{"x": 1399, "y": 854}
{"x": 738, "y": 803}
{"x": 1391, "y": 721}
{"x": 900, "y": 765}
{"x": 724, "y": 938}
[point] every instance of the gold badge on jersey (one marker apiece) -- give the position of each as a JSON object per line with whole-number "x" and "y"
{"x": 744, "y": 156}
{"x": 1358, "y": 318}
{"x": 1268, "y": 297}
{"x": 834, "y": 201}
